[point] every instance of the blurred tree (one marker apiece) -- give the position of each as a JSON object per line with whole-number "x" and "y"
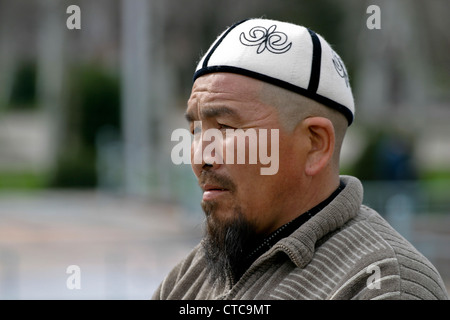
{"x": 93, "y": 104}
{"x": 388, "y": 155}
{"x": 23, "y": 92}
{"x": 96, "y": 94}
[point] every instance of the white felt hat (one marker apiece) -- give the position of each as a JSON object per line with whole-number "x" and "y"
{"x": 283, "y": 54}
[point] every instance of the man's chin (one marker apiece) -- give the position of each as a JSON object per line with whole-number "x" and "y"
{"x": 227, "y": 239}
{"x": 217, "y": 211}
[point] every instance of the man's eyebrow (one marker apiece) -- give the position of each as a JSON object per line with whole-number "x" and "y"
{"x": 211, "y": 112}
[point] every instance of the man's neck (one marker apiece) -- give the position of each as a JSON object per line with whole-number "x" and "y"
{"x": 256, "y": 249}
{"x": 308, "y": 195}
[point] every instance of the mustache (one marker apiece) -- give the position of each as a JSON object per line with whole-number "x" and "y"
{"x": 210, "y": 177}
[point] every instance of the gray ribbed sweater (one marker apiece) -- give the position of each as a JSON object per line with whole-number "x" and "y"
{"x": 346, "y": 251}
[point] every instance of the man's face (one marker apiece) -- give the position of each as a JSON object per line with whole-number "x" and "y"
{"x": 228, "y": 101}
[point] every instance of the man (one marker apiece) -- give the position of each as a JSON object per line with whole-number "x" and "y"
{"x": 302, "y": 232}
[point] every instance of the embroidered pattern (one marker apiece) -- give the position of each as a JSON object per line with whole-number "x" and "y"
{"x": 340, "y": 68}
{"x": 273, "y": 41}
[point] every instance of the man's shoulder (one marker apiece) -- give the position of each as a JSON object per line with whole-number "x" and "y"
{"x": 384, "y": 252}
{"x": 182, "y": 276}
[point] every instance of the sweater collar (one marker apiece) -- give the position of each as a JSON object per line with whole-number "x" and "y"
{"x": 288, "y": 228}
{"x": 300, "y": 245}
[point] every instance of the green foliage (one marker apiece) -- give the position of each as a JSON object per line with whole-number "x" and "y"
{"x": 22, "y": 180}
{"x": 93, "y": 103}
{"x": 388, "y": 155}
{"x": 76, "y": 169}
{"x": 23, "y": 91}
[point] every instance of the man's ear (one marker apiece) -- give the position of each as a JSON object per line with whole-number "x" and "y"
{"x": 321, "y": 137}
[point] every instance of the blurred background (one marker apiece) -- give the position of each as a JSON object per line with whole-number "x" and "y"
{"x": 86, "y": 117}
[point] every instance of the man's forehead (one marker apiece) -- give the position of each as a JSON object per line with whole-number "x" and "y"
{"x": 226, "y": 86}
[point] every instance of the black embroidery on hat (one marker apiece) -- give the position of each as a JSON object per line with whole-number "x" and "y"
{"x": 340, "y": 68}
{"x": 273, "y": 41}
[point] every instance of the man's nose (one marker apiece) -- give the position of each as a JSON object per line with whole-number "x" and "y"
{"x": 206, "y": 154}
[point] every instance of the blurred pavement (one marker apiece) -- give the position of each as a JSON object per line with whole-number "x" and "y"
{"x": 124, "y": 247}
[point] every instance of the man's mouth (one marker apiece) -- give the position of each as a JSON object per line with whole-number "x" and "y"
{"x": 212, "y": 192}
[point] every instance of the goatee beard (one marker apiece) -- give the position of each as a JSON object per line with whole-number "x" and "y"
{"x": 226, "y": 243}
